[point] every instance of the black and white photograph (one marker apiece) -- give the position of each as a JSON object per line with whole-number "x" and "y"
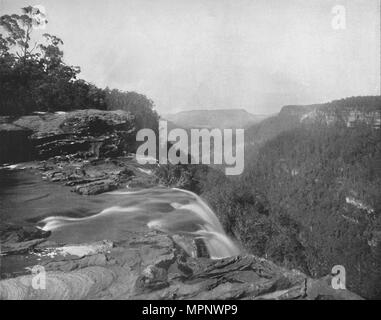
{"x": 193, "y": 150}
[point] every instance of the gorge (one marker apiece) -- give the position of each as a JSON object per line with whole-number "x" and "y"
{"x": 244, "y": 191}
{"x": 104, "y": 226}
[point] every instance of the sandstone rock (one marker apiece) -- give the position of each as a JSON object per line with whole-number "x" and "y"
{"x": 11, "y": 233}
{"x": 321, "y": 289}
{"x": 153, "y": 266}
{"x": 19, "y": 247}
{"x": 152, "y": 278}
{"x": 83, "y": 132}
{"x": 81, "y": 284}
{"x": 94, "y": 176}
{"x": 97, "y": 187}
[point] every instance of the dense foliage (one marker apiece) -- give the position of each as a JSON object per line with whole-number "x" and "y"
{"x": 290, "y": 116}
{"x": 35, "y": 78}
{"x": 196, "y": 178}
{"x": 311, "y": 200}
{"x": 138, "y": 104}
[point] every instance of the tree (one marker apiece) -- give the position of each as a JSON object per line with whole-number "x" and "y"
{"x": 138, "y": 104}
{"x": 36, "y": 78}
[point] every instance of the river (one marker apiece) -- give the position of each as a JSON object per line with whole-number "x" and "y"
{"x": 73, "y": 218}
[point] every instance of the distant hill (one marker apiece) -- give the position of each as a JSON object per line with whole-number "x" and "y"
{"x": 223, "y": 118}
{"x": 347, "y": 112}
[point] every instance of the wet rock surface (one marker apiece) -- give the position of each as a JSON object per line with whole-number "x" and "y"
{"x": 16, "y": 239}
{"x": 95, "y": 176}
{"x": 153, "y": 265}
{"x": 142, "y": 265}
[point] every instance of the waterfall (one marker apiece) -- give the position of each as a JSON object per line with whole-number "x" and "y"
{"x": 219, "y": 245}
{"x": 172, "y": 211}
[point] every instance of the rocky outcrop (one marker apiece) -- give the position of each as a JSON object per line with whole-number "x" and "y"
{"x": 155, "y": 266}
{"x": 95, "y": 176}
{"x": 16, "y": 239}
{"x": 349, "y": 112}
{"x": 83, "y": 133}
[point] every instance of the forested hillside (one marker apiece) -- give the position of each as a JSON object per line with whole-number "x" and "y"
{"x": 310, "y": 199}
{"x": 346, "y": 111}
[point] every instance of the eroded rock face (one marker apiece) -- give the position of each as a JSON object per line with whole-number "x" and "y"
{"x": 155, "y": 266}
{"x": 16, "y": 239}
{"x": 95, "y": 176}
{"x": 85, "y": 133}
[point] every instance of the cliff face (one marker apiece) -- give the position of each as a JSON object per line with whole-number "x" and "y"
{"x": 82, "y": 132}
{"x": 348, "y": 112}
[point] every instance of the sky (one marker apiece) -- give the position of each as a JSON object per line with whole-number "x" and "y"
{"x": 219, "y": 54}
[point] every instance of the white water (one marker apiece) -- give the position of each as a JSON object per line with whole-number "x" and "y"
{"x": 56, "y": 222}
{"x": 167, "y": 210}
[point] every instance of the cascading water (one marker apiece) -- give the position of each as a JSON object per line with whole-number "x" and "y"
{"x": 168, "y": 210}
{"x": 218, "y": 243}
